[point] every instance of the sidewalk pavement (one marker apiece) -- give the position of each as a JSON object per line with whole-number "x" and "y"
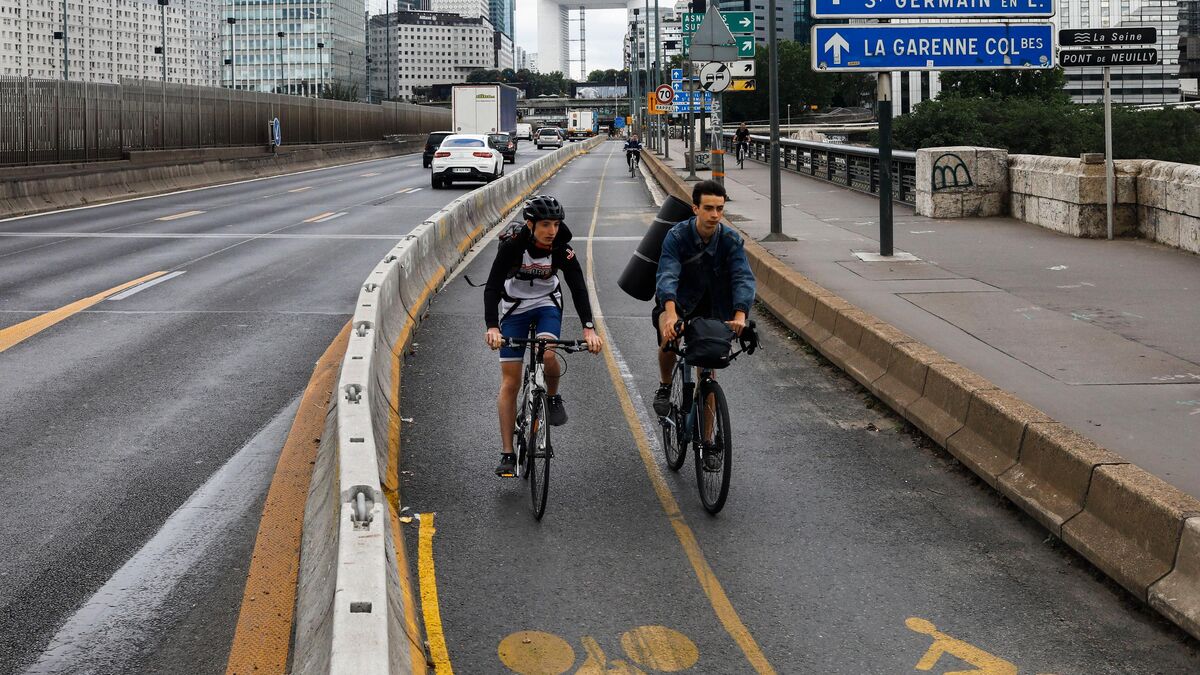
{"x": 1103, "y": 336}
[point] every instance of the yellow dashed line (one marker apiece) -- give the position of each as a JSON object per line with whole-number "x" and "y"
{"x": 316, "y": 218}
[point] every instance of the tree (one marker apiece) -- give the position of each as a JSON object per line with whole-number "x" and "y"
{"x": 1047, "y": 85}
{"x": 340, "y": 91}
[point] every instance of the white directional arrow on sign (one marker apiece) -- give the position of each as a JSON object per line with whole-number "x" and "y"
{"x": 746, "y": 23}
{"x": 837, "y": 43}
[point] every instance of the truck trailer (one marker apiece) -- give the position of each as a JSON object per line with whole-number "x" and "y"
{"x": 581, "y": 124}
{"x": 484, "y": 109}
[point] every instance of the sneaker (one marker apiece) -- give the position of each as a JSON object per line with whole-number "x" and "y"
{"x": 713, "y": 457}
{"x": 662, "y": 400}
{"x": 508, "y": 465}
{"x": 555, "y": 410}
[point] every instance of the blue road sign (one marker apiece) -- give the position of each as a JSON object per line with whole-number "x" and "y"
{"x": 676, "y": 74}
{"x": 926, "y": 9}
{"x": 883, "y": 47}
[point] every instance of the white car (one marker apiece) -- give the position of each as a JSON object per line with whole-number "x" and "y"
{"x": 465, "y": 157}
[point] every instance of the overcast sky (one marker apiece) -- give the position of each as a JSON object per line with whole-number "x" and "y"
{"x": 605, "y": 27}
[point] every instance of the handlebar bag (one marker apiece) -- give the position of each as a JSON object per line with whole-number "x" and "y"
{"x": 708, "y": 343}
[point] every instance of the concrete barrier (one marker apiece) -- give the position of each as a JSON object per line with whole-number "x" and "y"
{"x": 27, "y": 190}
{"x": 355, "y": 612}
{"x": 1135, "y": 528}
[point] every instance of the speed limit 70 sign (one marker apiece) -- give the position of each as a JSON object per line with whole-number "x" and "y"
{"x": 665, "y": 94}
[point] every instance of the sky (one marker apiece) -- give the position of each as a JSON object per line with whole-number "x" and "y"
{"x": 605, "y": 27}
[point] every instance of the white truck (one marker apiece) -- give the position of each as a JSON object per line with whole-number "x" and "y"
{"x": 581, "y": 124}
{"x": 524, "y": 131}
{"x": 484, "y": 109}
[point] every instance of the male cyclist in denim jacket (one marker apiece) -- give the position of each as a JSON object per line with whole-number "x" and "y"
{"x": 703, "y": 271}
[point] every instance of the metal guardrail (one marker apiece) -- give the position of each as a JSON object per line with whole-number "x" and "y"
{"x": 847, "y": 165}
{"x": 52, "y": 121}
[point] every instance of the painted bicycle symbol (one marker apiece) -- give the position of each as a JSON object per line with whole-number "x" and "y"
{"x": 657, "y": 649}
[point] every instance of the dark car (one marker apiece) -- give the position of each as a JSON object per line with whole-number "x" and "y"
{"x": 506, "y": 144}
{"x": 431, "y": 145}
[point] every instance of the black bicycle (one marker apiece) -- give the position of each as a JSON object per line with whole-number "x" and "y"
{"x": 710, "y": 436}
{"x": 531, "y": 435}
{"x": 634, "y": 157}
{"x": 742, "y": 146}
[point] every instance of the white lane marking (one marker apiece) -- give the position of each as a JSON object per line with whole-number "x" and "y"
{"x": 206, "y": 187}
{"x": 368, "y": 175}
{"x": 326, "y": 219}
{"x": 117, "y": 623}
{"x": 301, "y": 189}
{"x": 177, "y": 216}
{"x": 416, "y": 190}
{"x": 141, "y": 287}
{"x": 195, "y": 235}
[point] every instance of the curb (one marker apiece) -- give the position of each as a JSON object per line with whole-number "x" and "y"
{"x": 355, "y": 611}
{"x": 1140, "y": 531}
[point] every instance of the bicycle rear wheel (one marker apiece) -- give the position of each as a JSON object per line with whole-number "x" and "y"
{"x": 674, "y": 431}
{"x": 715, "y": 442}
{"x": 539, "y": 451}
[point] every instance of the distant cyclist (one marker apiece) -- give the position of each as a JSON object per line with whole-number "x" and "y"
{"x": 632, "y": 147}
{"x": 523, "y": 291}
{"x": 741, "y": 140}
{"x": 703, "y": 271}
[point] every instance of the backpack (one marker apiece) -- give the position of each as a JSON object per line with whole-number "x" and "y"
{"x": 512, "y": 230}
{"x": 708, "y": 343}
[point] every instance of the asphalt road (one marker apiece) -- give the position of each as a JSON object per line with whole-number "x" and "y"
{"x": 139, "y": 436}
{"x": 849, "y": 543}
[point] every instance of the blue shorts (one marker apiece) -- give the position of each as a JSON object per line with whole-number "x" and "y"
{"x": 548, "y": 321}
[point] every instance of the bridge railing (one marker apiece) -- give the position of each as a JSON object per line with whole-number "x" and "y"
{"x": 847, "y": 165}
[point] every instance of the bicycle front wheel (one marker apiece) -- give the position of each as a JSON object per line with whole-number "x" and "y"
{"x": 714, "y": 452}
{"x": 539, "y": 453}
{"x": 674, "y": 426}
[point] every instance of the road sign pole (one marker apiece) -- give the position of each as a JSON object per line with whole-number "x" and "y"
{"x": 691, "y": 125}
{"x": 1109, "y": 173}
{"x": 717, "y": 143}
{"x": 884, "y": 96}
{"x": 776, "y": 233}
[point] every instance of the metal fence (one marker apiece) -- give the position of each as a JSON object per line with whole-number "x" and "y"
{"x": 847, "y": 165}
{"x": 51, "y": 121}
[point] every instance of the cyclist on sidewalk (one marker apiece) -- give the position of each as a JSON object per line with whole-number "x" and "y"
{"x": 741, "y": 139}
{"x": 522, "y": 291}
{"x": 632, "y": 147}
{"x": 703, "y": 271}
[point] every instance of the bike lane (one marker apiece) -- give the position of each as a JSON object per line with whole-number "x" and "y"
{"x": 848, "y": 544}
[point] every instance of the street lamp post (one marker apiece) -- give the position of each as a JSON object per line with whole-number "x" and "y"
{"x": 62, "y": 35}
{"x": 320, "y": 68}
{"x": 789, "y": 123}
{"x": 279, "y": 56}
{"x": 163, "y": 8}
{"x": 232, "y": 52}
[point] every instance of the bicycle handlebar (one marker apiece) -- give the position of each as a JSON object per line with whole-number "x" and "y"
{"x": 747, "y": 341}
{"x": 567, "y": 345}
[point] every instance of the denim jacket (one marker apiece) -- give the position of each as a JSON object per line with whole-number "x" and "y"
{"x": 687, "y": 267}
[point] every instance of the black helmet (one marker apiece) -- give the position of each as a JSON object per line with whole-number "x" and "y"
{"x": 542, "y": 207}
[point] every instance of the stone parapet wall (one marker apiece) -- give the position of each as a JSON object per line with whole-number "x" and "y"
{"x": 962, "y": 182}
{"x": 1168, "y": 204}
{"x": 1067, "y": 195}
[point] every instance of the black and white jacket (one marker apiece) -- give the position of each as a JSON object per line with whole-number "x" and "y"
{"x": 525, "y": 277}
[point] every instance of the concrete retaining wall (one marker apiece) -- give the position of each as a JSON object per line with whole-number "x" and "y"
{"x": 354, "y": 609}
{"x": 36, "y": 189}
{"x": 1140, "y": 531}
{"x": 1067, "y": 195}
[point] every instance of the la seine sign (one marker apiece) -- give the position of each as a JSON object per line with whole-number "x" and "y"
{"x": 925, "y": 9}
{"x": 886, "y": 47}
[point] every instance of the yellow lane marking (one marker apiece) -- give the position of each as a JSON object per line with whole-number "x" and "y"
{"x": 704, "y": 574}
{"x": 15, "y": 334}
{"x": 264, "y": 627}
{"x": 177, "y": 216}
{"x": 391, "y": 484}
{"x": 301, "y": 189}
{"x": 429, "y": 599}
{"x": 985, "y": 663}
{"x": 316, "y": 218}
